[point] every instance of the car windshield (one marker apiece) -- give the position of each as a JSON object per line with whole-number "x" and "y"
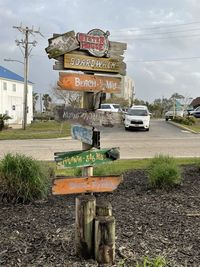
{"x": 137, "y": 112}
{"x": 116, "y": 106}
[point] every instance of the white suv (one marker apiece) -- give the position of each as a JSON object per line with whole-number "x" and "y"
{"x": 137, "y": 117}
{"x": 110, "y": 107}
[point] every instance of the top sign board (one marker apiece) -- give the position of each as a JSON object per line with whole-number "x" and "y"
{"x": 95, "y": 42}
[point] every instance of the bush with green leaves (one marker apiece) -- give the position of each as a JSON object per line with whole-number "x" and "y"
{"x": 147, "y": 262}
{"x": 163, "y": 172}
{"x": 23, "y": 179}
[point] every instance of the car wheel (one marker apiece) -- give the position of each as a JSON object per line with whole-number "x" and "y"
{"x": 166, "y": 119}
{"x": 147, "y": 129}
{"x": 126, "y": 128}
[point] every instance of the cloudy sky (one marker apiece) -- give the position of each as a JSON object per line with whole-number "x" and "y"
{"x": 162, "y": 37}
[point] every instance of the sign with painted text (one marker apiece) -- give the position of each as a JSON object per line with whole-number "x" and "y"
{"x": 80, "y": 62}
{"x": 89, "y": 83}
{"x": 95, "y": 42}
{"x": 88, "y": 117}
{"x": 77, "y": 185}
{"x": 85, "y": 158}
{"x": 83, "y": 134}
{"x": 61, "y": 44}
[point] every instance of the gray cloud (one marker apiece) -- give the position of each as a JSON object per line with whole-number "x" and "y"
{"x": 144, "y": 25}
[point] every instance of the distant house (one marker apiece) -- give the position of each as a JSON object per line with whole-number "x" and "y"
{"x": 12, "y": 96}
{"x": 195, "y": 102}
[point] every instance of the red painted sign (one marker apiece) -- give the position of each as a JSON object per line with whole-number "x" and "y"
{"x": 95, "y": 42}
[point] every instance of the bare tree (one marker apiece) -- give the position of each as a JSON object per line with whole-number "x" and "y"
{"x": 70, "y": 98}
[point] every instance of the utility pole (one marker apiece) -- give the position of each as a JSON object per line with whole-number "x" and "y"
{"x": 26, "y": 53}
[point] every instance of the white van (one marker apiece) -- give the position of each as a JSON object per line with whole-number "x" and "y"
{"x": 137, "y": 117}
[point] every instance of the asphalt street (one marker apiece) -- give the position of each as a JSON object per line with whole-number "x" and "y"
{"x": 162, "y": 138}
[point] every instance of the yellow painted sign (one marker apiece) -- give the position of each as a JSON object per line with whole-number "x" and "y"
{"x": 80, "y": 62}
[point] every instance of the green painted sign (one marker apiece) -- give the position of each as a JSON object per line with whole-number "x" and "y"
{"x": 84, "y": 158}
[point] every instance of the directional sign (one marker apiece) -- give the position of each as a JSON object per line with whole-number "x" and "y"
{"x": 84, "y": 158}
{"x": 84, "y": 134}
{"x": 80, "y": 62}
{"x": 75, "y": 185}
{"x": 89, "y": 83}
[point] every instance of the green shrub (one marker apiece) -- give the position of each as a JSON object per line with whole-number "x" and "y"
{"x": 23, "y": 179}
{"x": 147, "y": 262}
{"x": 185, "y": 120}
{"x": 157, "y": 262}
{"x": 163, "y": 172}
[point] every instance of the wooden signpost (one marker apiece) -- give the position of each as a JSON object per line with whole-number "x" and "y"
{"x": 89, "y": 83}
{"x": 76, "y": 185}
{"x": 91, "y": 53}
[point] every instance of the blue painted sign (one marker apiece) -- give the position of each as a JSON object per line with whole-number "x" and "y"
{"x": 84, "y": 134}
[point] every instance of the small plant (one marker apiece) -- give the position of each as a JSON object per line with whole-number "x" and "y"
{"x": 157, "y": 262}
{"x": 3, "y": 118}
{"x": 163, "y": 172}
{"x": 23, "y": 179}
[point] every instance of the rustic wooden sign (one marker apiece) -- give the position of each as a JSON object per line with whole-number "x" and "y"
{"x": 62, "y": 44}
{"x": 80, "y": 62}
{"x": 88, "y": 117}
{"x": 77, "y": 185}
{"x": 84, "y": 158}
{"x": 89, "y": 83}
{"x": 84, "y": 134}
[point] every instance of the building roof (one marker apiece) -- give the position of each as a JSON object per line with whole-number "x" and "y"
{"x": 195, "y": 102}
{"x": 7, "y": 74}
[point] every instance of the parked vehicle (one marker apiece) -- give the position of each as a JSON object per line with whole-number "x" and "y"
{"x": 110, "y": 107}
{"x": 137, "y": 117}
{"x": 196, "y": 112}
{"x": 171, "y": 114}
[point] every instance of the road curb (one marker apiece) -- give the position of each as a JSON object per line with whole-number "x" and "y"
{"x": 182, "y": 127}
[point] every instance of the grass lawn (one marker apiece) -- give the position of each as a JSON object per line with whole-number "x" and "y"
{"x": 120, "y": 166}
{"x": 195, "y": 127}
{"x": 38, "y": 130}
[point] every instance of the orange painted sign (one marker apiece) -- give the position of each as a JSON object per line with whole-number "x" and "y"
{"x": 89, "y": 83}
{"x": 77, "y": 185}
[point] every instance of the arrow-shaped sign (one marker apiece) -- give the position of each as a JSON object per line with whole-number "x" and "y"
{"x": 75, "y": 185}
{"x": 84, "y": 158}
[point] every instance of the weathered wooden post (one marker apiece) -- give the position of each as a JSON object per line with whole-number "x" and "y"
{"x": 104, "y": 236}
{"x": 85, "y": 204}
{"x": 104, "y": 239}
{"x": 84, "y": 224}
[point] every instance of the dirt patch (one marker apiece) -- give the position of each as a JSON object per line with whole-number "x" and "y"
{"x": 148, "y": 222}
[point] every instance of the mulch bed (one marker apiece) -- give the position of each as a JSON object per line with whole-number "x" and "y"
{"x": 148, "y": 222}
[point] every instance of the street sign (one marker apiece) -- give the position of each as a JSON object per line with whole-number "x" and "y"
{"x": 85, "y": 158}
{"x": 80, "y": 62}
{"x": 77, "y": 185}
{"x": 84, "y": 134}
{"x": 89, "y": 83}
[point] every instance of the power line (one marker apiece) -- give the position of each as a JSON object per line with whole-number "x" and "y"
{"x": 164, "y": 59}
{"x": 159, "y": 27}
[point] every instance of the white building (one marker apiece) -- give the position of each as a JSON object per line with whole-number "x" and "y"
{"x": 12, "y": 96}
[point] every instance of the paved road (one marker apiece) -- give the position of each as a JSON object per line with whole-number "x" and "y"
{"x": 162, "y": 138}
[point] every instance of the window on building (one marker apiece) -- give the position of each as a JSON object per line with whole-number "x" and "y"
{"x": 5, "y": 86}
{"x": 14, "y": 87}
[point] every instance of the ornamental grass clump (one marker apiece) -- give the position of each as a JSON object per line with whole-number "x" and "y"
{"x": 23, "y": 179}
{"x": 163, "y": 172}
